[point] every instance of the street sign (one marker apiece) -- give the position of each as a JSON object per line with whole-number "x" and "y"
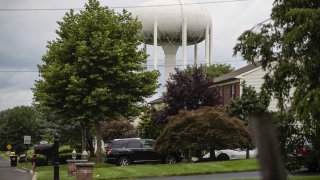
{"x": 27, "y": 139}
{"x": 9, "y": 146}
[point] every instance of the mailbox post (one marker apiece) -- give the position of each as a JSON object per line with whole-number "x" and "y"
{"x": 56, "y": 158}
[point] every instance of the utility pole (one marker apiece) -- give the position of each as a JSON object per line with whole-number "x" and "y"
{"x": 56, "y": 158}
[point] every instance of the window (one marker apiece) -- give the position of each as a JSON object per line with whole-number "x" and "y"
{"x": 134, "y": 144}
{"x": 119, "y": 144}
{"x": 233, "y": 91}
{"x": 147, "y": 143}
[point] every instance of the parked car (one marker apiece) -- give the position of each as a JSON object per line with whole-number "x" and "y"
{"x": 231, "y": 154}
{"x": 124, "y": 152}
{"x": 307, "y": 156}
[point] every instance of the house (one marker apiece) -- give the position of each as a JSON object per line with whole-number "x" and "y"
{"x": 229, "y": 84}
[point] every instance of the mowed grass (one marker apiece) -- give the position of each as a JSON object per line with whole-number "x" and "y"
{"x": 106, "y": 171}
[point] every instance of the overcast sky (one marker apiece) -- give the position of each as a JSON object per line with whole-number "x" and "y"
{"x": 24, "y": 34}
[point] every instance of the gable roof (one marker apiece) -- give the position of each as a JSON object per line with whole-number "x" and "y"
{"x": 233, "y": 74}
{"x": 157, "y": 101}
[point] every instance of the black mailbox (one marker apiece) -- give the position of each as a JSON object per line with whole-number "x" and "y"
{"x": 44, "y": 149}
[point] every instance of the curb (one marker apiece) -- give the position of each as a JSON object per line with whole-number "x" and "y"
{"x": 4, "y": 157}
{"x": 34, "y": 177}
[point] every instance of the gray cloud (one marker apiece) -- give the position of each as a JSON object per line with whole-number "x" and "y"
{"x": 24, "y": 34}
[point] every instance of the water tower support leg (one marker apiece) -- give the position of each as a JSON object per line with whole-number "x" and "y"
{"x": 196, "y": 54}
{"x": 211, "y": 46}
{"x": 207, "y": 45}
{"x": 155, "y": 44}
{"x": 184, "y": 43}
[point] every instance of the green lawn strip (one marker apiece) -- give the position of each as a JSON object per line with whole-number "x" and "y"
{"x": 159, "y": 170}
{"x": 290, "y": 178}
{"x": 106, "y": 171}
{"x": 4, "y": 154}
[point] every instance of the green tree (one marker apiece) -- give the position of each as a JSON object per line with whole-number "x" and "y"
{"x": 147, "y": 128}
{"x": 122, "y": 128}
{"x": 16, "y": 123}
{"x": 216, "y": 70}
{"x": 204, "y": 128}
{"x": 187, "y": 89}
{"x": 289, "y": 46}
{"x": 249, "y": 101}
{"x": 93, "y": 71}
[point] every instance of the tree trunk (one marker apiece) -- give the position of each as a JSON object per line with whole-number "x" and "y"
{"x": 189, "y": 155}
{"x": 212, "y": 154}
{"x": 247, "y": 153}
{"x": 84, "y": 137}
{"x": 90, "y": 144}
{"x": 98, "y": 136}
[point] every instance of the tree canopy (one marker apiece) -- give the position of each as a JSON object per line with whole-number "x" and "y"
{"x": 117, "y": 129}
{"x": 16, "y": 123}
{"x": 249, "y": 101}
{"x": 93, "y": 70}
{"x": 201, "y": 129}
{"x": 216, "y": 70}
{"x": 289, "y": 46}
{"x": 188, "y": 89}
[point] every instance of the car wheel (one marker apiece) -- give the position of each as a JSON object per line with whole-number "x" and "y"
{"x": 170, "y": 159}
{"x": 223, "y": 157}
{"x": 124, "y": 161}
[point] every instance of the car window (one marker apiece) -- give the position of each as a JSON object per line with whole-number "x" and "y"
{"x": 119, "y": 144}
{"x": 134, "y": 144}
{"x": 147, "y": 143}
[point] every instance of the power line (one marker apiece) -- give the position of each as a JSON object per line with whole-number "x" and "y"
{"x": 120, "y": 7}
{"x": 214, "y": 62}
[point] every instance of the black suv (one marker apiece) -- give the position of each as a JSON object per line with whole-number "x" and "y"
{"x": 135, "y": 150}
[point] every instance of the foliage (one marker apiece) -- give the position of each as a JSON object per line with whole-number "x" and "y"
{"x": 201, "y": 129}
{"x": 249, "y": 101}
{"x": 117, "y": 129}
{"x": 289, "y": 47}
{"x": 216, "y": 70}
{"x": 290, "y": 136}
{"x": 16, "y": 123}
{"x": 147, "y": 128}
{"x": 187, "y": 89}
{"x": 93, "y": 71}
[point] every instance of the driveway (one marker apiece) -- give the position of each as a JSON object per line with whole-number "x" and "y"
{"x": 12, "y": 173}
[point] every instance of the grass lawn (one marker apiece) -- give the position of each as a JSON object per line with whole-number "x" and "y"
{"x": 106, "y": 171}
{"x": 4, "y": 153}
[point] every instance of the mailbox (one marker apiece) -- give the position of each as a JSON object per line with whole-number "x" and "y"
{"x": 44, "y": 149}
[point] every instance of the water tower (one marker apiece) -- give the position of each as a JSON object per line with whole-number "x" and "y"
{"x": 174, "y": 23}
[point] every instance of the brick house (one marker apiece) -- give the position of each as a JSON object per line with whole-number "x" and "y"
{"x": 229, "y": 84}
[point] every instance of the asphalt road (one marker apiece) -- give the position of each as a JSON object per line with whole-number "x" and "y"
{"x": 225, "y": 176}
{"x": 12, "y": 173}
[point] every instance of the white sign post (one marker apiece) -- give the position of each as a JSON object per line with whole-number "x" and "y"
{"x": 27, "y": 139}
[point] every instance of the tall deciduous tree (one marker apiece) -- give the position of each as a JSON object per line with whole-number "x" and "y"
{"x": 289, "y": 46}
{"x": 93, "y": 71}
{"x": 188, "y": 89}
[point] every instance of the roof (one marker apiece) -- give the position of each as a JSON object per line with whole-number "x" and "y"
{"x": 233, "y": 74}
{"x": 157, "y": 101}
